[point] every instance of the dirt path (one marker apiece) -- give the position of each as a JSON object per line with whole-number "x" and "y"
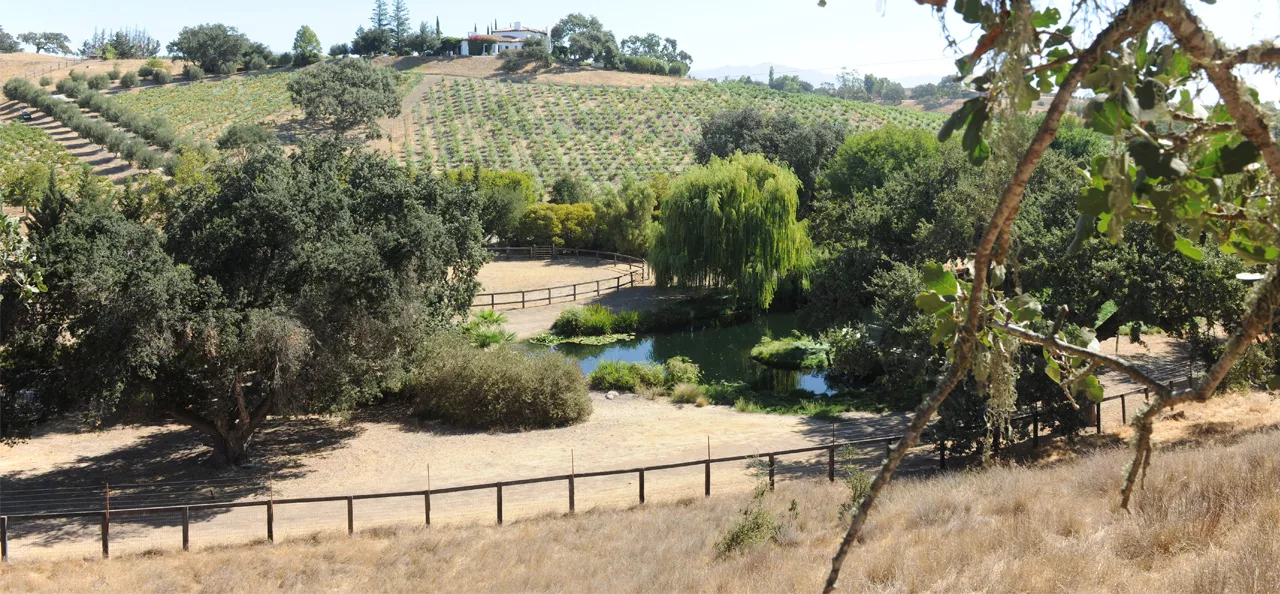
{"x": 402, "y": 128}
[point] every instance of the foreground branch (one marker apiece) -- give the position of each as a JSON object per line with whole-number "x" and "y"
{"x": 1094, "y": 357}
{"x": 1127, "y": 21}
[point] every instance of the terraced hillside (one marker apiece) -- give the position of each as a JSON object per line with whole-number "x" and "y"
{"x": 601, "y": 132}
{"x": 204, "y": 109}
{"x": 21, "y": 144}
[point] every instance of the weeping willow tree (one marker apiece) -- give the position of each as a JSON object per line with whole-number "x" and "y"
{"x": 731, "y": 224}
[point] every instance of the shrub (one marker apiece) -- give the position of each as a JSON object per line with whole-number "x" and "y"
{"x": 792, "y": 352}
{"x": 496, "y": 389}
{"x": 756, "y": 526}
{"x": 568, "y": 323}
{"x": 597, "y": 320}
{"x": 256, "y": 63}
{"x": 245, "y": 135}
{"x": 626, "y": 322}
{"x": 115, "y": 73}
{"x": 680, "y": 370}
{"x": 78, "y": 76}
{"x": 624, "y": 375}
{"x": 192, "y": 72}
{"x": 99, "y": 82}
{"x": 161, "y": 76}
{"x": 490, "y": 336}
{"x": 226, "y": 69}
{"x": 688, "y": 394}
{"x": 45, "y": 81}
{"x": 284, "y": 60}
{"x": 565, "y": 225}
{"x": 128, "y": 80}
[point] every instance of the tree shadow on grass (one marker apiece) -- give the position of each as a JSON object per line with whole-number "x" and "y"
{"x": 168, "y": 467}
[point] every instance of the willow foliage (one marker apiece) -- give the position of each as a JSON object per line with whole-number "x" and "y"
{"x": 731, "y": 223}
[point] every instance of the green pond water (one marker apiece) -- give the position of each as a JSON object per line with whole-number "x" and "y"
{"x": 723, "y": 353}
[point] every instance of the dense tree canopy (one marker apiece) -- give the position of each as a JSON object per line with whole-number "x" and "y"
{"x": 781, "y": 137}
{"x": 8, "y": 44}
{"x": 731, "y": 223}
{"x": 658, "y": 48}
{"x": 347, "y": 94}
{"x": 125, "y": 44}
{"x": 306, "y": 47}
{"x": 211, "y": 47}
{"x": 578, "y": 38}
{"x": 284, "y": 285}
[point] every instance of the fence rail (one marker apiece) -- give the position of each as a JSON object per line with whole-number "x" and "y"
{"x": 184, "y": 511}
{"x": 547, "y": 296}
{"x": 59, "y": 65}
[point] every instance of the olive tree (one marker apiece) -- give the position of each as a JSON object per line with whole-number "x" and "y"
{"x": 1185, "y": 169}
{"x": 209, "y": 46}
{"x": 346, "y": 94}
{"x": 286, "y": 285}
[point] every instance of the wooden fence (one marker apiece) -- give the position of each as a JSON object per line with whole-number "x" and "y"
{"x": 59, "y": 65}
{"x": 104, "y": 515}
{"x": 562, "y": 293}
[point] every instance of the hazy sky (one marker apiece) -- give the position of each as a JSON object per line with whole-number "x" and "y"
{"x": 903, "y": 41}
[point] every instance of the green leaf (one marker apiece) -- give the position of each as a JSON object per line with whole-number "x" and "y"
{"x": 1189, "y": 249}
{"x": 939, "y": 279}
{"x": 972, "y": 10}
{"x": 1092, "y": 388}
{"x": 1047, "y": 18}
{"x": 1185, "y": 104}
{"x": 943, "y": 329}
{"x": 931, "y": 302}
{"x": 957, "y": 119}
{"x": 973, "y": 129}
{"x": 1084, "y": 232}
{"x": 1053, "y": 371}
{"x": 979, "y": 154}
{"x": 1025, "y": 308}
{"x": 1105, "y": 311}
{"x": 1234, "y": 159}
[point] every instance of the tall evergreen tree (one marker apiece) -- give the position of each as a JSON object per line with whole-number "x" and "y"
{"x": 437, "y": 25}
{"x": 400, "y": 20}
{"x": 381, "y": 19}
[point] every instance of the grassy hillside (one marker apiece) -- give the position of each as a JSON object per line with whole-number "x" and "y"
{"x": 600, "y": 132}
{"x": 1205, "y": 522}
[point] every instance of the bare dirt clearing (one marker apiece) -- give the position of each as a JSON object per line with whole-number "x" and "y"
{"x": 1200, "y": 525}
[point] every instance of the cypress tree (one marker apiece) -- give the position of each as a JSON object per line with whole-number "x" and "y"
{"x": 380, "y": 18}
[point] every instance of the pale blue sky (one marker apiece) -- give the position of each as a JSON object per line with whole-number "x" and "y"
{"x": 903, "y": 42}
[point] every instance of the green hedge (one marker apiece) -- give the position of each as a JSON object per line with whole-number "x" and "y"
{"x": 500, "y": 388}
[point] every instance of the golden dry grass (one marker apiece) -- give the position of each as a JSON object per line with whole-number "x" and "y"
{"x": 1206, "y": 522}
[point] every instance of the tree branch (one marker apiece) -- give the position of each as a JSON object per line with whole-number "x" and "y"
{"x": 1094, "y": 357}
{"x": 1260, "y": 54}
{"x": 196, "y": 422}
{"x": 1133, "y": 17}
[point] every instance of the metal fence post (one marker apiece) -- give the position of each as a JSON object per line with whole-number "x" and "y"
{"x": 771, "y": 466}
{"x": 707, "y": 491}
{"x": 4, "y": 539}
{"x": 499, "y": 504}
{"x": 186, "y": 528}
{"x": 271, "y": 521}
{"x": 426, "y": 503}
{"x": 641, "y": 485}
{"x": 1098, "y": 418}
{"x": 1035, "y": 426}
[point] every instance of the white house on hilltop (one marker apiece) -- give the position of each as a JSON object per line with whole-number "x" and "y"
{"x": 501, "y": 40}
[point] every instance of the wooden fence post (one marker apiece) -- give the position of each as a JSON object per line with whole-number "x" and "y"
{"x": 1035, "y": 426}
{"x": 1098, "y": 418}
{"x": 707, "y": 491}
{"x": 642, "y": 485}
{"x": 1124, "y": 409}
{"x": 597, "y": 288}
{"x": 499, "y": 504}
{"x": 426, "y": 504}
{"x": 831, "y": 464}
{"x": 571, "y": 473}
{"x": 106, "y": 535}
{"x": 351, "y": 515}
{"x": 186, "y": 528}
{"x": 521, "y": 299}
{"x": 271, "y": 521}
{"x": 575, "y": 292}
{"x": 4, "y": 539}
{"x": 771, "y": 466}
{"x": 1146, "y": 394}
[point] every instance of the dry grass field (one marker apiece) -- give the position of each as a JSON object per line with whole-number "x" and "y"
{"x": 1205, "y": 522}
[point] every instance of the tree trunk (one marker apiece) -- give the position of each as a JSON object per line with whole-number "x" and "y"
{"x": 231, "y": 450}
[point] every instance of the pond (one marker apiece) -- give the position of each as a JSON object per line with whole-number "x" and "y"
{"x": 723, "y": 353}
